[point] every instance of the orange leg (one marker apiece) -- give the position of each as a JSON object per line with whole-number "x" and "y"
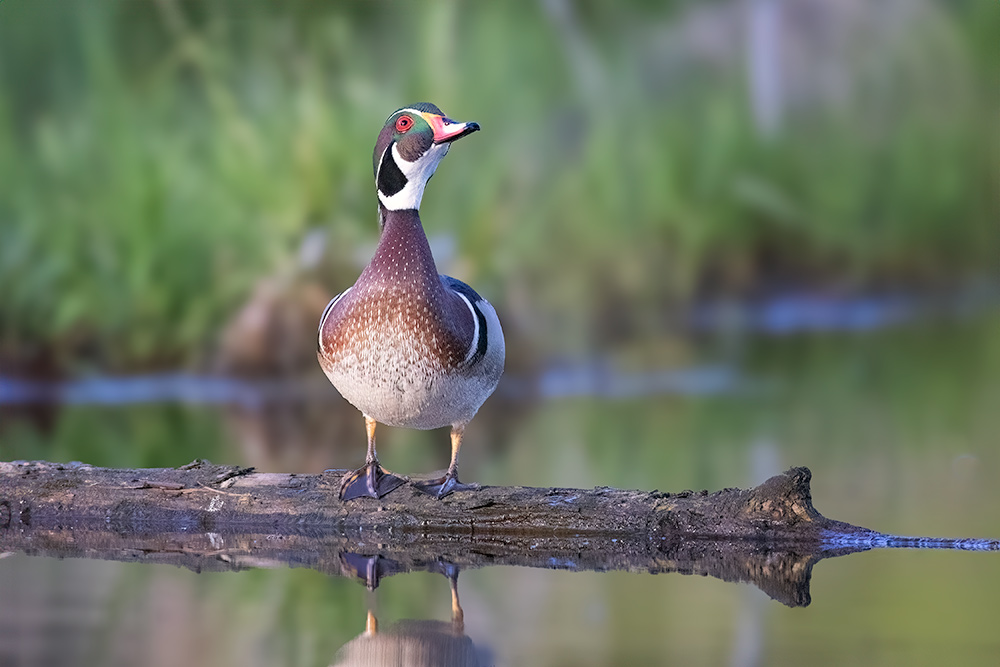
{"x": 442, "y": 486}
{"x": 457, "y": 615}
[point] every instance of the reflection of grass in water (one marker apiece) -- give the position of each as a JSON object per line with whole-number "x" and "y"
{"x": 158, "y": 159}
{"x": 281, "y": 616}
{"x": 827, "y": 402}
{"x": 823, "y": 400}
{"x": 121, "y": 437}
{"x": 257, "y": 617}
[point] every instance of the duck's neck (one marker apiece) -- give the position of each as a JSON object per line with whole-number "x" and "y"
{"x": 403, "y": 253}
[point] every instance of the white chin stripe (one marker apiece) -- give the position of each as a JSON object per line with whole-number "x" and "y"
{"x": 417, "y": 174}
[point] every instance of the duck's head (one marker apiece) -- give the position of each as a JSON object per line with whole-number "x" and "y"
{"x": 408, "y": 150}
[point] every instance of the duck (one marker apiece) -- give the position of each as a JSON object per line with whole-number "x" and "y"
{"x": 405, "y": 345}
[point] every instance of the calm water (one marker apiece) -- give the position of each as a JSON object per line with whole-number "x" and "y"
{"x": 901, "y": 430}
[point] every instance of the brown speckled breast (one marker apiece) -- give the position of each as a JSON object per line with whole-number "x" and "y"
{"x": 400, "y": 292}
{"x": 395, "y": 344}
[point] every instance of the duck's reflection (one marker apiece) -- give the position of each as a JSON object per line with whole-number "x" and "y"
{"x": 410, "y": 642}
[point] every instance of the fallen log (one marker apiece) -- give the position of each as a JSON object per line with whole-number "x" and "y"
{"x": 217, "y": 497}
{"x": 212, "y": 517}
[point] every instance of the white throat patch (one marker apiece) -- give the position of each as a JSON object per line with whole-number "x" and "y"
{"x": 417, "y": 174}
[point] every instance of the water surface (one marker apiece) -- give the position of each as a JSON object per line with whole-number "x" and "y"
{"x": 899, "y": 428}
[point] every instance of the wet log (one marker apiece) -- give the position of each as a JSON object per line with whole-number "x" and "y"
{"x": 210, "y": 517}
{"x": 213, "y": 498}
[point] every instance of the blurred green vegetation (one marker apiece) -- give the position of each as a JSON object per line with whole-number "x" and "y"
{"x": 158, "y": 159}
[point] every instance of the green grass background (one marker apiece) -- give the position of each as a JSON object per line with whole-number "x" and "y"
{"x": 157, "y": 159}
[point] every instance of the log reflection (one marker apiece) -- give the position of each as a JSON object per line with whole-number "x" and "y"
{"x": 782, "y": 571}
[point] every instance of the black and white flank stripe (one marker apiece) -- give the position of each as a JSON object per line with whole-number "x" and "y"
{"x": 480, "y": 336}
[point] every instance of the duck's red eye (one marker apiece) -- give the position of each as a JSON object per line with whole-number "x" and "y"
{"x": 403, "y": 123}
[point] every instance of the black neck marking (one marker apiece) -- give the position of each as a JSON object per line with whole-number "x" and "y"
{"x": 390, "y": 179}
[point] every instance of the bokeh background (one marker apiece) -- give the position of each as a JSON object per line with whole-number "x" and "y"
{"x": 723, "y": 237}
{"x": 162, "y": 160}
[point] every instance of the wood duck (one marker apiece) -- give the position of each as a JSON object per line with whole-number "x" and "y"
{"x": 405, "y": 345}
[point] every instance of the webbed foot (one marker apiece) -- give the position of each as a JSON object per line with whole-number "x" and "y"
{"x": 370, "y": 480}
{"x": 442, "y": 486}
